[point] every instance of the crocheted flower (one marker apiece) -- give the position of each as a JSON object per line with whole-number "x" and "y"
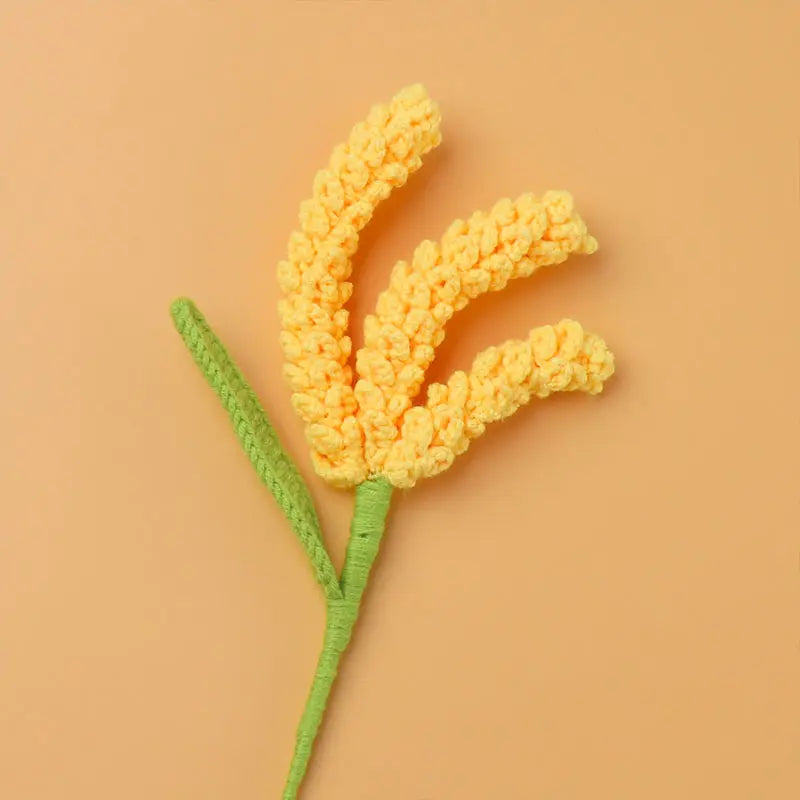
{"x": 371, "y": 428}
{"x": 369, "y": 433}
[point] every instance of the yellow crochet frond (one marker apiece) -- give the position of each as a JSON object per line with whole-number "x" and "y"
{"x": 560, "y": 358}
{"x": 373, "y": 428}
{"x": 380, "y": 154}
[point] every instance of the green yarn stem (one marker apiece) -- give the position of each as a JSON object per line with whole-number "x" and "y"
{"x": 258, "y": 438}
{"x": 369, "y": 519}
{"x": 279, "y": 474}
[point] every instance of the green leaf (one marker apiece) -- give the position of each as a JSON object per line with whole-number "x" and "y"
{"x": 275, "y": 468}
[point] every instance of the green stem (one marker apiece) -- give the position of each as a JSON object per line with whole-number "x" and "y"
{"x": 369, "y": 519}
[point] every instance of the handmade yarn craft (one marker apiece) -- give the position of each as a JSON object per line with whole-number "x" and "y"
{"x": 364, "y": 429}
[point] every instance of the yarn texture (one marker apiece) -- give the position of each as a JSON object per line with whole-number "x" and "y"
{"x": 371, "y": 427}
{"x": 273, "y": 466}
{"x": 365, "y": 424}
{"x": 379, "y": 156}
{"x": 369, "y": 517}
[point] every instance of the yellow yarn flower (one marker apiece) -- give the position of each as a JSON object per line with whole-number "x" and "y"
{"x": 364, "y": 429}
{"x": 371, "y": 428}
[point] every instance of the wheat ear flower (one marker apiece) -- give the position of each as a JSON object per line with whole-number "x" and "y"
{"x": 366, "y": 429}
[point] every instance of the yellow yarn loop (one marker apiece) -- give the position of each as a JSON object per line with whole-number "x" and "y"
{"x": 372, "y": 428}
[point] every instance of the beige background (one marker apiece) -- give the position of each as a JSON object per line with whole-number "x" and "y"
{"x": 599, "y": 601}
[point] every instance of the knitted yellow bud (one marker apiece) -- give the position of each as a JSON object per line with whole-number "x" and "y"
{"x": 379, "y": 156}
{"x": 559, "y": 358}
{"x": 475, "y": 256}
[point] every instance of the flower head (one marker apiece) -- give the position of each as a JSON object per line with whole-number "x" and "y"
{"x": 372, "y": 427}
